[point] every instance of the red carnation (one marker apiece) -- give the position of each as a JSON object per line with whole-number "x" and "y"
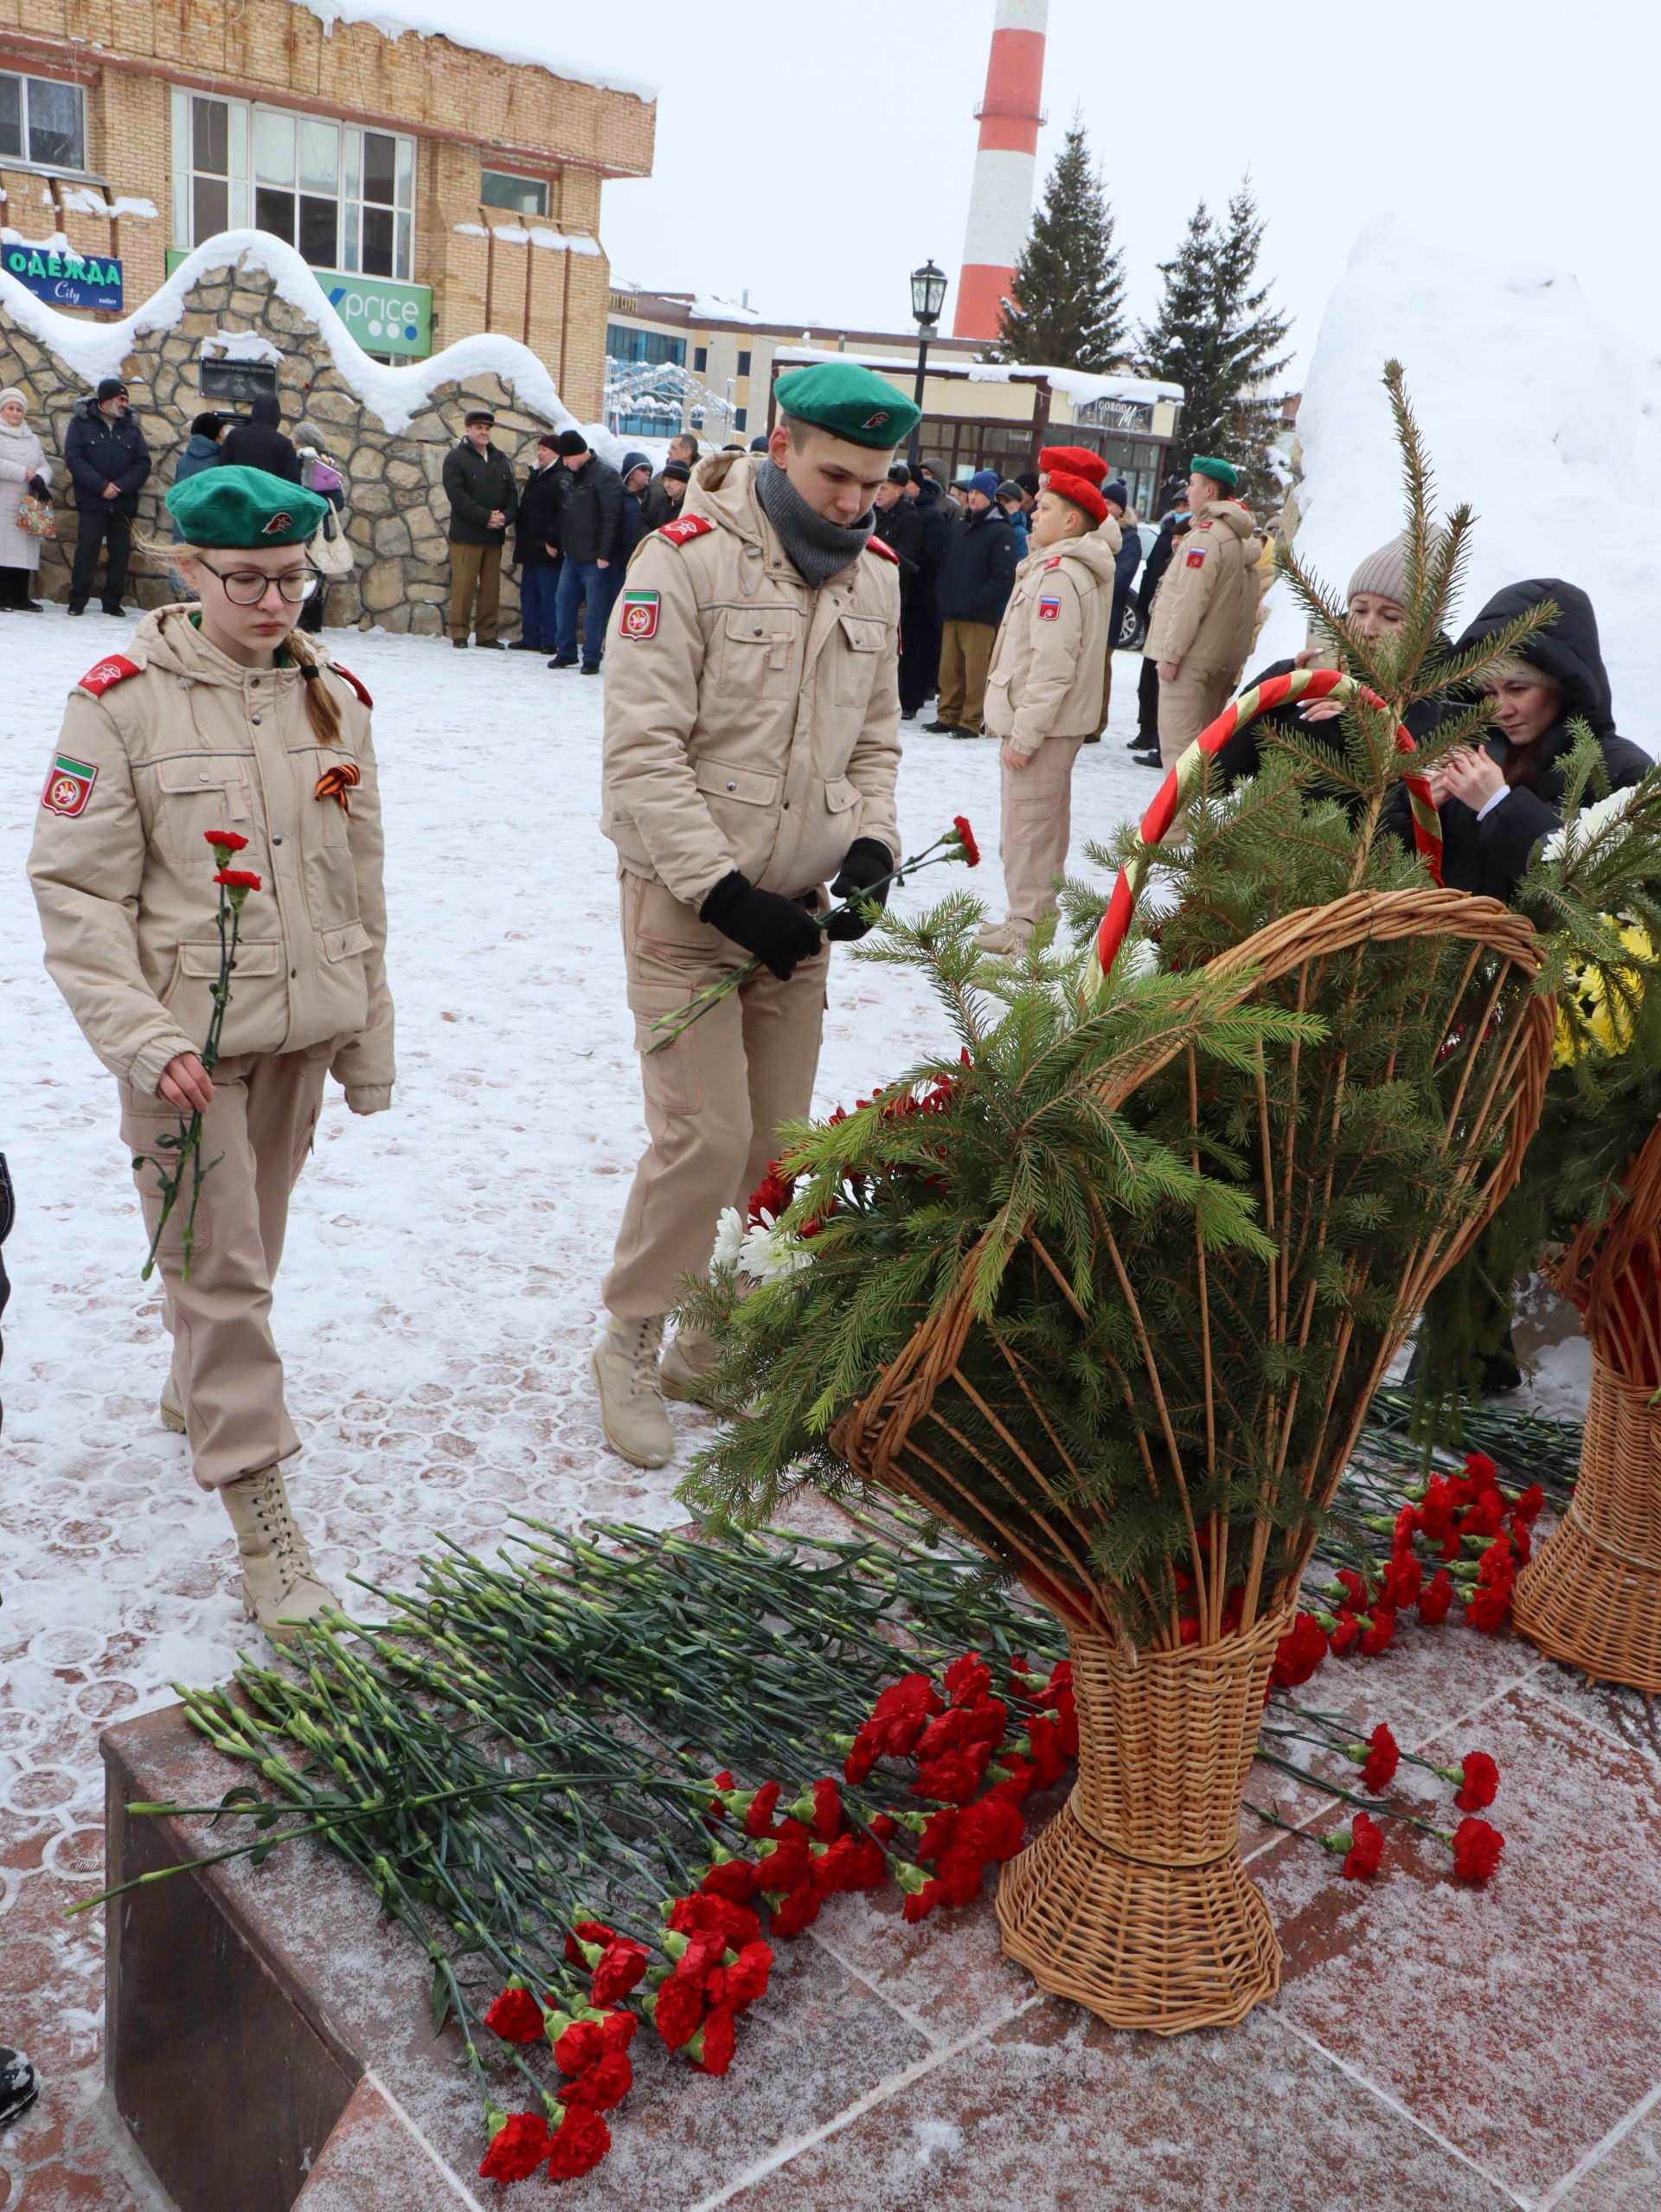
{"x": 707, "y": 1914}
{"x": 712, "y": 2049}
{"x": 1479, "y": 1780}
{"x": 237, "y": 879}
{"x": 1354, "y": 1588}
{"x": 861, "y": 1759}
{"x": 733, "y": 1878}
{"x": 1480, "y": 1471}
{"x": 937, "y": 1832}
{"x": 517, "y": 2148}
{"x": 617, "y": 2029}
{"x": 1527, "y": 1508}
{"x": 789, "y": 1866}
{"x": 744, "y": 1980}
{"x": 827, "y": 1810}
{"x": 1344, "y": 1633}
{"x": 993, "y": 1827}
{"x": 703, "y": 1954}
{"x": 1298, "y": 1652}
{"x": 586, "y": 1932}
{"x": 954, "y": 1779}
{"x": 1436, "y": 1514}
{"x": 796, "y": 1910}
{"x": 1367, "y": 1841}
{"x": 604, "y": 2084}
{"x": 516, "y": 2017}
{"x": 676, "y": 2012}
{"x": 966, "y": 838}
{"x": 1382, "y": 1760}
{"x": 1486, "y": 1518}
{"x": 884, "y": 1827}
{"x": 899, "y": 1716}
{"x": 968, "y": 1679}
{"x": 1477, "y": 1847}
{"x": 960, "y": 1874}
{"x": 622, "y": 1966}
{"x": 583, "y": 2043}
{"x": 1403, "y": 1580}
{"x": 581, "y": 2142}
{"x": 1049, "y": 1749}
{"x": 1378, "y": 1632}
{"x": 759, "y": 1819}
{"x": 863, "y": 1866}
{"x": 1020, "y": 1777}
{"x": 1489, "y": 1609}
{"x": 226, "y": 839}
{"x": 922, "y": 1903}
{"x": 1435, "y": 1598}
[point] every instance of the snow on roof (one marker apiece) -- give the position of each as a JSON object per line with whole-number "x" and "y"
{"x": 1542, "y": 417}
{"x": 708, "y": 307}
{"x": 397, "y": 395}
{"x": 1077, "y": 384}
{"x": 459, "y": 26}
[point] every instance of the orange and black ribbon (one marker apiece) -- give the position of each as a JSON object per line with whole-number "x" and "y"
{"x": 336, "y": 782}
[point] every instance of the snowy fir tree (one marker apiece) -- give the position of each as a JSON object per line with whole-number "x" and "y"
{"x": 1215, "y": 336}
{"x": 1068, "y": 308}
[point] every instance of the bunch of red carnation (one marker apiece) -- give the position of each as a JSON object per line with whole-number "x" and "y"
{"x": 592, "y": 2048}
{"x": 1462, "y": 1514}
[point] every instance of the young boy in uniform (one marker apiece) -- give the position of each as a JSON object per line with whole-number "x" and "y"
{"x": 1046, "y": 690}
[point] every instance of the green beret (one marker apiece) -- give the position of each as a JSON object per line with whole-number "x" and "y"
{"x": 1222, "y": 473}
{"x": 226, "y": 507}
{"x": 849, "y": 402}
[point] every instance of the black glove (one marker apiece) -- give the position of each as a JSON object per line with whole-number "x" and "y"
{"x": 866, "y": 869}
{"x": 36, "y": 487}
{"x": 776, "y": 930}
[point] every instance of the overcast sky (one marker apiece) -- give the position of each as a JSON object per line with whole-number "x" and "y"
{"x": 816, "y": 155}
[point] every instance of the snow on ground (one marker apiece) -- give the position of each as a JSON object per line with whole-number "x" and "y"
{"x": 438, "y": 1297}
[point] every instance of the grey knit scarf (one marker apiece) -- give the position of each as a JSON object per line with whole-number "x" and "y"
{"x": 819, "y": 549}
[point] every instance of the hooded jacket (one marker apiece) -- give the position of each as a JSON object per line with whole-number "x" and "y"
{"x": 100, "y": 449}
{"x": 1492, "y": 855}
{"x": 1242, "y": 753}
{"x": 978, "y": 572}
{"x": 259, "y": 443}
{"x": 1205, "y": 616}
{"x": 169, "y": 739}
{"x": 633, "y": 526}
{"x": 752, "y": 722}
{"x": 1048, "y": 674}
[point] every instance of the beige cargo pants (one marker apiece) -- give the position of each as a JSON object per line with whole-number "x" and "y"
{"x": 259, "y": 1130}
{"x": 1035, "y": 827}
{"x": 715, "y": 1098}
{"x": 1198, "y": 697}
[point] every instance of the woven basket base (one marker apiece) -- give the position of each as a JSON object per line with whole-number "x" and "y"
{"x": 1580, "y": 1604}
{"x": 1163, "y": 1948}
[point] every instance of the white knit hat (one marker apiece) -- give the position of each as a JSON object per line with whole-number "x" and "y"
{"x": 12, "y": 393}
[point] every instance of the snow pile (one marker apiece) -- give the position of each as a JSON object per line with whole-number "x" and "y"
{"x": 1536, "y": 413}
{"x": 397, "y": 395}
{"x": 459, "y": 26}
{"x": 239, "y": 345}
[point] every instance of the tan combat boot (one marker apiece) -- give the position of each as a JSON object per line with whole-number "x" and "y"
{"x": 631, "y": 1403}
{"x": 1003, "y": 939}
{"x": 689, "y": 1361}
{"x": 171, "y": 1403}
{"x": 279, "y": 1584}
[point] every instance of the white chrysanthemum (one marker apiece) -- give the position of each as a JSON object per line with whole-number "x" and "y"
{"x": 729, "y": 1239}
{"x": 1574, "y": 836}
{"x": 767, "y": 1255}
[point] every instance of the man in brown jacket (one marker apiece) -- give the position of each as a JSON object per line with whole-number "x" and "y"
{"x": 752, "y": 720}
{"x": 1048, "y": 690}
{"x": 1205, "y": 615}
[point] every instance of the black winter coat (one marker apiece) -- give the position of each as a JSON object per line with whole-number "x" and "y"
{"x": 537, "y": 525}
{"x": 474, "y": 483}
{"x": 900, "y": 527}
{"x": 1242, "y": 755}
{"x": 1127, "y": 561}
{"x": 591, "y": 511}
{"x": 100, "y": 449}
{"x": 1158, "y": 561}
{"x": 936, "y": 526}
{"x": 260, "y": 444}
{"x": 978, "y": 572}
{"x": 1492, "y": 856}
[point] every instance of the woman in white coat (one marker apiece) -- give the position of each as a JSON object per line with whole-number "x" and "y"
{"x": 23, "y": 468}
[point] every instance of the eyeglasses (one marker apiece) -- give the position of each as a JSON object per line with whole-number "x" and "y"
{"x": 248, "y": 587}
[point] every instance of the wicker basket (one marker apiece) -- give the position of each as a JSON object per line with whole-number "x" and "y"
{"x": 1133, "y": 1900}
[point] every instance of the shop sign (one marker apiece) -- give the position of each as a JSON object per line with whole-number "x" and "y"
{"x": 383, "y": 316}
{"x": 65, "y": 279}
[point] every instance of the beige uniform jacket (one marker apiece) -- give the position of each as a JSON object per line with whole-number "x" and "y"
{"x": 124, "y": 876}
{"x": 1048, "y": 676}
{"x": 1205, "y": 613}
{"x": 751, "y": 722}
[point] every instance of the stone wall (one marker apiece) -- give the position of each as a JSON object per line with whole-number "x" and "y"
{"x": 396, "y": 513}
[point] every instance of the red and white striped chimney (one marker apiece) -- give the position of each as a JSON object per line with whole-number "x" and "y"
{"x": 1000, "y": 204}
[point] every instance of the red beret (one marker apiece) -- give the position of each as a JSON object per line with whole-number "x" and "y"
{"x": 1073, "y": 460}
{"x": 1080, "y": 493}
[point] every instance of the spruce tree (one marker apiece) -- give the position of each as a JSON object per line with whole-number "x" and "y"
{"x": 1067, "y": 310}
{"x": 1215, "y": 336}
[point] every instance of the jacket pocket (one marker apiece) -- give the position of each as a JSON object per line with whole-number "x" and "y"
{"x": 726, "y": 780}
{"x": 863, "y": 639}
{"x": 346, "y": 942}
{"x": 196, "y": 793}
{"x": 263, "y": 956}
{"x": 839, "y": 795}
{"x": 758, "y": 651}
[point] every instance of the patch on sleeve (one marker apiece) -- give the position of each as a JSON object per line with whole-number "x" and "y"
{"x": 875, "y": 545}
{"x": 69, "y": 783}
{"x": 640, "y": 615}
{"x": 1054, "y": 561}
{"x": 1205, "y": 525}
{"x": 116, "y": 669}
{"x": 1197, "y": 560}
{"x": 1049, "y": 610}
{"x": 346, "y": 677}
{"x": 689, "y": 527}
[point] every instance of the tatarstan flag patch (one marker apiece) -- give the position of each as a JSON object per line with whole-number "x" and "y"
{"x": 640, "y": 615}
{"x": 68, "y": 786}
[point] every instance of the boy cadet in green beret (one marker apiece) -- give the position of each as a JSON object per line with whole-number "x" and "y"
{"x": 751, "y": 743}
{"x": 223, "y": 723}
{"x": 1205, "y": 616}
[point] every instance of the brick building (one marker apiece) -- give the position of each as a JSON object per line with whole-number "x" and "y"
{"x": 438, "y": 190}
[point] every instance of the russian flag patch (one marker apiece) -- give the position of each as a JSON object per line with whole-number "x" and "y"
{"x": 1049, "y": 610}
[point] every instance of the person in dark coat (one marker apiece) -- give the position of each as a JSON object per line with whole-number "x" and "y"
{"x": 484, "y": 500}
{"x": 104, "y": 450}
{"x": 900, "y": 527}
{"x": 1129, "y": 560}
{"x": 1498, "y": 798}
{"x": 976, "y": 580}
{"x": 920, "y": 625}
{"x": 537, "y": 547}
{"x": 636, "y": 473}
{"x": 259, "y": 443}
{"x": 207, "y": 433}
{"x": 591, "y": 538}
{"x": 1146, "y": 744}
{"x": 657, "y": 506}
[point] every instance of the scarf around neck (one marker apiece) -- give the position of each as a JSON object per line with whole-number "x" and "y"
{"x": 816, "y": 547}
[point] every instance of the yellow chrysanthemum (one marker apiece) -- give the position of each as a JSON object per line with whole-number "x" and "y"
{"x": 1609, "y": 1023}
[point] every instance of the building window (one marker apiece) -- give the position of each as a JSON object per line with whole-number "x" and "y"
{"x": 42, "y": 121}
{"x": 526, "y": 195}
{"x": 743, "y": 364}
{"x": 622, "y": 343}
{"x": 700, "y": 360}
{"x": 343, "y": 196}
{"x": 739, "y": 413}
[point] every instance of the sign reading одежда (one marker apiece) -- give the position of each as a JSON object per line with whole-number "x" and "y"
{"x": 65, "y": 280}
{"x": 383, "y": 316}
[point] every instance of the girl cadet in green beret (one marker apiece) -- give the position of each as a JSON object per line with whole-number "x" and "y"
{"x": 221, "y": 723}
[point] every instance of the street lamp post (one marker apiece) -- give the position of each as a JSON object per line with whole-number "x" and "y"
{"x": 927, "y": 297}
